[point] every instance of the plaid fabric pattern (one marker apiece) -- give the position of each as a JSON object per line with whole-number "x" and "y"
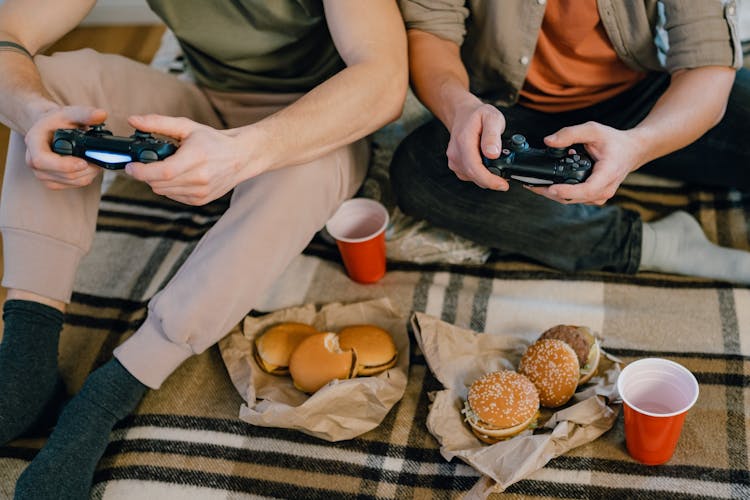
{"x": 186, "y": 441}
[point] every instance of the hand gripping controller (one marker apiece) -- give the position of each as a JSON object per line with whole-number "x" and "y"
{"x": 539, "y": 167}
{"x": 98, "y": 145}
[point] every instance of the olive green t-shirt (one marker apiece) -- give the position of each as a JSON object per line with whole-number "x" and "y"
{"x": 253, "y": 45}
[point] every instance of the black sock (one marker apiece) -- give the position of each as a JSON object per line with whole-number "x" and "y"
{"x": 65, "y": 467}
{"x": 29, "y": 382}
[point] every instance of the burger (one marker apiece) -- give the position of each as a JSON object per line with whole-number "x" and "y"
{"x": 318, "y": 360}
{"x": 584, "y": 343}
{"x": 275, "y": 345}
{"x": 552, "y": 365}
{"x": 501, "y": 405}
{"x": 376, "y": 351}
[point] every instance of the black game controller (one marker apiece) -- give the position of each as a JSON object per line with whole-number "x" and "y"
{"x": 539, "y": 167}
{"x": 99, "y": 146}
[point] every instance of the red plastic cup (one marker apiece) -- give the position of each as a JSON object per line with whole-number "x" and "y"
{"x": 358, "y": 226}
{"x": 656, "y": 395}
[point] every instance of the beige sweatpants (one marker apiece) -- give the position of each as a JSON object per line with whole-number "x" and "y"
{"x": 270, "y": 220}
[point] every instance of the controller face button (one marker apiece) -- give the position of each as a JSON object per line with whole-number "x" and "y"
{"x": 576, "y": 157}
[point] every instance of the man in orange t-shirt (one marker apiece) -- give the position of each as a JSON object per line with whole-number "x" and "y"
{"x": 639, "y": 84}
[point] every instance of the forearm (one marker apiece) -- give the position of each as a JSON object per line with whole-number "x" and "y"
{"x": 438, "y": 76}
{"x": 336, "y": 113}
{"x": 25, "y": 98}
{"x": 33, "y": 24}
{"x": 693, "y": 103}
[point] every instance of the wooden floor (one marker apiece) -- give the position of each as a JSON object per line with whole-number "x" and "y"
{"x": 137, "y": 42}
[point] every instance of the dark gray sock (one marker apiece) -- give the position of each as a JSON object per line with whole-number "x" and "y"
{"x": 65, "y": 467}
{"x": 29, "y": 382}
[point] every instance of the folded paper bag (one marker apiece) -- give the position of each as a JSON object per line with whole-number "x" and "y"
{"x": 343, "y": 409}
{"x": 457, "y": 357}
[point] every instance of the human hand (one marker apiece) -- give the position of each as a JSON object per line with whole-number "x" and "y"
{"x": 473, "y": 127}
{"x": 615, "y": 153}
{"x": 206, "y": 166}
{"x": 56, "y": 171}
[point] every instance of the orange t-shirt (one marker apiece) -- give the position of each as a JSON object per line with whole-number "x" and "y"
{"x": 574, "y": 64}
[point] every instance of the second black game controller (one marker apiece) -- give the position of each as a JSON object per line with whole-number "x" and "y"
{"x": 539, "y": 167}
{"x": 97, "y": 145}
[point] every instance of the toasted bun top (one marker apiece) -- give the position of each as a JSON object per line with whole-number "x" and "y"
{"x": 318, "y": 359}
{"x": 552, "y": 365}
{"x": 503, "y": 399}
{"x": 374, "y": 346}
{"x": 579, "y": 338}
{"x": 275, "y": 345}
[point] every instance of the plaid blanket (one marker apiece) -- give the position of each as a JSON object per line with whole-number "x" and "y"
{"x": 186, "y": 440}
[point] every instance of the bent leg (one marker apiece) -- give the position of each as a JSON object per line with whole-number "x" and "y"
{"x": 46, "y": 233}
{"x": 270, "y": 220}
{"x": 517, "y": 222}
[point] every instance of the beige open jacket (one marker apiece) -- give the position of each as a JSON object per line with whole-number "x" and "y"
{"x": 498, "y": 37}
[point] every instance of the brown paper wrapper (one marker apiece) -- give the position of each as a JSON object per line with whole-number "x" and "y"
{"x": 457, "y": 357}
{"x": 343, "y": 409}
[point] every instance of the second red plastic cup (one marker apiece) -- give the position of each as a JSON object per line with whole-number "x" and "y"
{"x": 656, "y": 395}
{"x": 358, "y": 226}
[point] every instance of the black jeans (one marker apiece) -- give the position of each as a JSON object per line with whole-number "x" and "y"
{"x": 566, "y": 237}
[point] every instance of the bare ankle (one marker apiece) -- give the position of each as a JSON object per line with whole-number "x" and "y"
{"x": 15, "y": 294}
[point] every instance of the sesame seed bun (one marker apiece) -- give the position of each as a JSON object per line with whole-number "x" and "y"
{"x": 552, "y": 365}
{"x": 275, "y": 345}
{"x": 500, "y": 405}
{"x": 583, "y": 342}
{"x": 376, "y": 351}
{"x": 318, "y": 359}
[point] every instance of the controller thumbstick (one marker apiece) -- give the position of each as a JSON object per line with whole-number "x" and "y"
{"x": 98, "y": 130}
{"x": 518, "y": 143}
{"x": 557, "y": 152}
{"x": 147, "y": 156}
{"x": 63, "y": 147}
{"x": 140, "y": 134}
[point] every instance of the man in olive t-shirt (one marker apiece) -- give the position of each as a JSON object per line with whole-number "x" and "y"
{"x": 285, "y": 93}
